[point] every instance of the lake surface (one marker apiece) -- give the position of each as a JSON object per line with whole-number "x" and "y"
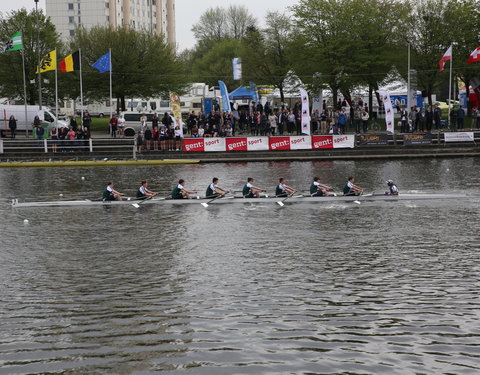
{"x": 378, "y": 288}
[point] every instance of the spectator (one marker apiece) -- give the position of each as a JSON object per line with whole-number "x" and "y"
{"x": 404, "y": 120}
{"x": 412, "y": 117}
{"x": 323, "y": 121}
{"x": 143, "y": 123}
{"x": 194, "y": 131}
{"x": 429, "y": 118}
{"x": 422, "y": 119}
{"x": 477, "y": 118}
{"x": 453, "y": 119}
{"x": 155, "y": 121}
{"x": 201, "y": 132}
{"x": 290, "y": 123}
{"x": 162, "y": 133}
{"x": 121, "y": 125}
{"x": 113, "y": 126}
{"x": 342, "y": 121}
{"x": 12, "y": 125}
{"x": 155, "y": 137}
{"x": 148, "y": 138}
{"x": 460, "y": 117}
{"x": 315, "y": 121}
{"x": 365, "y": 118}
{"x": 191, "y": 122}
{"x": 73, "y": 122}
{"x": 71, "y": 135}
{"x": 272, "y": 119}
{"x": 140, "y": 142}
{"x": 54, "y": 138}
{"x": 86, "y": 120}
{"x": 39, "y": 130}
{"x": 62, "y": 134}
{"x": 437, "y": 116}
{"x": 357, "y": 115}
{"x": 178, "y": 138}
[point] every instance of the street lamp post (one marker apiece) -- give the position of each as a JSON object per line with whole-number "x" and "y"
{"x": 38, "y": 53}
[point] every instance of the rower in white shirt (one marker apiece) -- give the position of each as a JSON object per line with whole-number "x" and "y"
{"x": 283, "y": 190}
{"x": 214, "y": 191}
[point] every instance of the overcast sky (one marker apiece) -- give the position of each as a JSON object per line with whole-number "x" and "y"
{"x": 187, "y": 12}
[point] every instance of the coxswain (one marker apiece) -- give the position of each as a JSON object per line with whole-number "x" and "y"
{"x": 350, "y": 188}
{"x": 250, "y": 191}
{"x": 283, "y": 190}
{"x": 143, "y": 192}
{"x": 392, "y": 188}
{"x": 214, "y": 191}
{"x": 179, "y": 191}
{"x": 110, "y": 194}
{"x": 317, "y": 189}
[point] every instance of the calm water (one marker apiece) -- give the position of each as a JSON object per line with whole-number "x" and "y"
{"x": 337, "y": 289}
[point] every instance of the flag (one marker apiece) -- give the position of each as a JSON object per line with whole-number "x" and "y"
{"x": 14, "y": 44}
{"x": 237, "y": 68}
{"x": 176, "y": 105}
{"x": 305, "y": 112}
{"x": 70, "y": 63}
{"x": 446, "y": 57}
{"x": 387, "y": 104}
{"x": 48, "y": 62}
{"x": 225, "y": 98}
{"x": 103, "y": 63}
{"x": 474, "y": 56}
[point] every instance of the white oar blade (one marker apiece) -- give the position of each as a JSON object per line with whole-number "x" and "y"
{"x": 204, "y": 204}
{"x": 136, "y": 205}
{"x": 357, "y": 202}
{"x": 280, "y": 203}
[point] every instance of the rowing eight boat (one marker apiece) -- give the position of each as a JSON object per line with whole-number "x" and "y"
{"x": 225, "y": 200}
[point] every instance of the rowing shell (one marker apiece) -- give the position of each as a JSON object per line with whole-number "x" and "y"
{"x": 240, "y": 200}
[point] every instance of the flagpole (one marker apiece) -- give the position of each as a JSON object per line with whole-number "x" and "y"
{"x": 25, "y": 91}
{"x": 81, "y": 84}
{"x": 56, "y": 90}
{"x": 450, "y": 87}
{"x": 408, "y": 83}
{"x": 111, "y": 96}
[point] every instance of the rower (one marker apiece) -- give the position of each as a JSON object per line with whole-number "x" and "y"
{"x": 392, "y": 188}
{"x": 214, "y": 191}
{"x": 317, "y": 189}
{"x": 110, "y": 194}
{"x": 250, "y": 191}
{"x": 283, "y": 190}
{"x": 350, "y": 188}
{"x": 179, "y": 191}
{"x": 143, "y": 192}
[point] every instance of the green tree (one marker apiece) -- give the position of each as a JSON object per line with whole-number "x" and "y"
{"x": 144, "y": 65}
{"x": 11, "y": 75}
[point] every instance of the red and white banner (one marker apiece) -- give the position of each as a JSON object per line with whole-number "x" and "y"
{"x": 287, "y": 143}
{"x": 193, "y": 144}
{"x": 474, "y": 56}
{"x": 301, "y": 142}
{"x": 215, "y": 144}
{"x": 446, "y": 57}
{"x": 236, "y": 144}
{"x": 257, "y": 144}
{"x": 459, "y": 137}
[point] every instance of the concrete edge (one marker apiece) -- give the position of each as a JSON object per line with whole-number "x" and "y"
{"x": 101, "y": 163}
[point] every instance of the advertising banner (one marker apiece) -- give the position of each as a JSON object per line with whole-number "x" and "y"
{"x": 322, "y": 141}
{"x": 236, "y": 144}
{"x": 302, "y": 142}
{"x": 459, "y": 137}
{"x": 373, "y": 140}
{"x": 387, "y": 104}
{"x": 193, "y": 145}
{"x": 257, "y": 144}
{"x": 344, "y": 141}
{"x": 417, "y": 139}
{"x": 305, "y": 112}
{"x": 279, "y": 143}
{"x": 225, "y": 97}
{"x": 214, "y": 144}
{"x": 237, "y": 68}
{"x": 175, "y": 104}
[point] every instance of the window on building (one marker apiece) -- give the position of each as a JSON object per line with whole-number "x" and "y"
{"x": 70, "y": 6}
{"x": 107, "y": 5}
{"x": 79, "y": 20}
{"x": 78, "y": 4}
{"x": 70, "y": 19}
{"x": 72, "y": 32}
{"x": 108, "y": 18}
{"x": 133, "y": 23}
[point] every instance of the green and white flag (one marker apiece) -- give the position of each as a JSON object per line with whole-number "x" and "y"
{"x": 14, "y": 44}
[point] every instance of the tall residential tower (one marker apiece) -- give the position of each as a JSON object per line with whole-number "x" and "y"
{"x": 152, "y": 15}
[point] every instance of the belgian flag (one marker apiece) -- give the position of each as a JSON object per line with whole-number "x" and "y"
{"x": 70, "y": 63}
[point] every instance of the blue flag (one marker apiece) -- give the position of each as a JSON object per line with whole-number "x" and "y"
{"x": 225, "y": 99}
{"x": 103, "y": 63}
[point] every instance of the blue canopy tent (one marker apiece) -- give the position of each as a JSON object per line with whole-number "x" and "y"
{"x": 243, "y": 93}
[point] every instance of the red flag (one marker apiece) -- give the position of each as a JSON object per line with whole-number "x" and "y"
{"x": 474, "y": 56}
{"x": 447, "y": 56}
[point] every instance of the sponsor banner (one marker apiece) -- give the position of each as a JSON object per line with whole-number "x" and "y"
{"x": 322, "y": 141}
{"x": 302, "y": 142}
{"x": 387, "y": 104}
{"x": 257, "y": 144}
{"x": 459, "y": 137}
{"x": 214, "y": 144}
{"x": 237, "y": 68}
{"x": 417, "y": 139}
{"x": 176, "y": 106}
{"x": 279, "y": 143}
{"x": 236, "y": 144}
{"x": 193, "y": 144}
{"x": 373, "y": 140}
{"x": 344, "y": 141}
{"x": 225, "y": 97}
{"x": 305, "y": 112}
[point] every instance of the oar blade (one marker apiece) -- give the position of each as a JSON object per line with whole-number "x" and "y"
{"x": 136, "y": 205}
{"x": 204, "y": 204}
{"x": 280, "y": 203}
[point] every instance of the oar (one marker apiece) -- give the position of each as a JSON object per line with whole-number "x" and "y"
{"x": 137, "y": 205}
{"x": 211, "y": 200}
{"x": 281, "y": 203}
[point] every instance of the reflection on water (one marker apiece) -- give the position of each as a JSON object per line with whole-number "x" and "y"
{"x": 341, "y": 288}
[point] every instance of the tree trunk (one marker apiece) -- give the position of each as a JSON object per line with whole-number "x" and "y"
{"x": 467, "y": 93}
{"x": 335, "y": 96}
{"x": 370, "y": 100}
{"x": 282, "y": 94}
{"x": 348, "y": 97}
{"x": 122, "y": 103}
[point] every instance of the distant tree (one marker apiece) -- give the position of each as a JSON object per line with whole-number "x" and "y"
{"x": 144, "y": 65}
{"x": 11, "y": 75}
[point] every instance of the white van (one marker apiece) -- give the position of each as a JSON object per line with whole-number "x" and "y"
{"x": 18, "y": 111}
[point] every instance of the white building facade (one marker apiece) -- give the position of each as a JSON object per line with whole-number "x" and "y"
{"x": 150, "y": 15}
